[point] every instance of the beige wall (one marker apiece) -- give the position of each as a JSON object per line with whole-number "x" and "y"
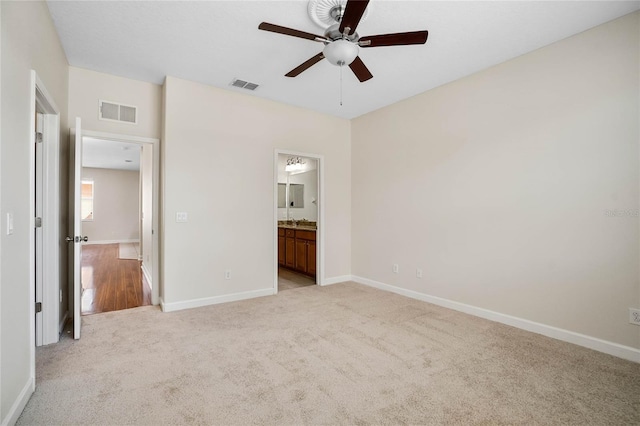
{"x": 87, "y": 88}
{"x": 24, "y": 47}
{"x": 218, "y": 154}
{"x": 116, "y": 208}
{"x": 498, "y": 187}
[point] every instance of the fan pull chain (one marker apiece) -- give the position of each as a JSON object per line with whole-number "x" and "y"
{"x": 340, "y": 85}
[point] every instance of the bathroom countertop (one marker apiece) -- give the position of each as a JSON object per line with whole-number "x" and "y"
{"x": 301, "y": 227}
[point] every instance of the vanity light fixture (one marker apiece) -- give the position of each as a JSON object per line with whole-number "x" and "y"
{"x": 294, "y": 164}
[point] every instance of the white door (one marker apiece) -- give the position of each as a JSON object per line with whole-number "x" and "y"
{"x": 75, "y": 179}
{"x": 39, "y": 252}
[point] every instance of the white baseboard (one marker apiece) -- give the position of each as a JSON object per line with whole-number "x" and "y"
{"x": 63, "y": 321}
{"x": 611, "y": 348}
{"x": 206, "y": 301}
{"x": 147, "y": 275}
{"x": 112, "y": 241}
{"x": 336, "y": 280}
{"x": 16, "y": 409}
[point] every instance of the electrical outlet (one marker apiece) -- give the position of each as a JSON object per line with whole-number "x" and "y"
{"x": 395, "y": 268}
{"x": 634, "y": 316}
{"x": 418, "y": 273}
{"x": 227, "y": 274}
{"x": 182, "y": 217}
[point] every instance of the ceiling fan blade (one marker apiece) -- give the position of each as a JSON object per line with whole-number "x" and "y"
{"x": 360, "y": 69}
{"x": 265, "y": 26}
{"x": 305, "y": 65}
{"x": 398, "y": 39}
{"x": 353, "y": 12}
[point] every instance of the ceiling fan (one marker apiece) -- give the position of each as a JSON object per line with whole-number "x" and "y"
{"x": 342, "y": 42}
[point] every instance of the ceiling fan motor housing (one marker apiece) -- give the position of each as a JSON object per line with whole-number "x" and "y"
{"x": 333, "y": 33}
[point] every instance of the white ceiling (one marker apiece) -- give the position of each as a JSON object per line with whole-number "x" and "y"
{"x": 104, "y": 154}
{"x": 213, "y": 42}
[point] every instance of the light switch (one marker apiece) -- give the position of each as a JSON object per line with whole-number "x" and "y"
{"x": 182, "y": 217}
{"x": 9, "y": 223}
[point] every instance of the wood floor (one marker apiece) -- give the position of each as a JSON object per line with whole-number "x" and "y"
{"x": 109, "y": 283}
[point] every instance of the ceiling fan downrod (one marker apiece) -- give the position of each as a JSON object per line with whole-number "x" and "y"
{"x": 341, "y": 85}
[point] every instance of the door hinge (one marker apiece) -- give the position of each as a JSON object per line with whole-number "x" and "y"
{"x": 38, "y": 222}
{"x": 39, "y": 137}
{"x": 38, "y": 307}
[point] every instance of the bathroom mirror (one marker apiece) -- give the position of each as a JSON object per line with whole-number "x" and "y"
{"x": 296, "y": 195}
{"x": 282, "y": 195}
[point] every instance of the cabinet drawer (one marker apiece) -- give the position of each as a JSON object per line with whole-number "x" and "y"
{"x": 280, "y": 232}
{"x": 290, "y": 233}
{"x": 306, "y": 235}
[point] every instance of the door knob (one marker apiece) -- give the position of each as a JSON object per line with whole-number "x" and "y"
{"x": 76, "y": 239}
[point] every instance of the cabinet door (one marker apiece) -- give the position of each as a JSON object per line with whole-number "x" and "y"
{"x": 290, "y": 252}
{"x": 281, "y": 251}
{"x": 311, "y": 258}
{"x": 301, "y": 255}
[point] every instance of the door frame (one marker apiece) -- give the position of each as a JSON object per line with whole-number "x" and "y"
{"x": 320, "y": 223}
{"x": 155, "y": 143}
{"x": 49, "y": 286}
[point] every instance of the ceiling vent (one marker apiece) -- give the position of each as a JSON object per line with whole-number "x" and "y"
{"x": 244, "y": 84}
{"x": 111, "y": 111}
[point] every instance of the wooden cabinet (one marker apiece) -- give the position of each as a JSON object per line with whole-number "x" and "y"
{"x": 301, "y": 255}
{"x": 311, "y": 258}
{"x": 306, "y": 251}
{"x": 290, "y": 248}
{"x": 297, "y": 250}
{"x": 281, "y": 247}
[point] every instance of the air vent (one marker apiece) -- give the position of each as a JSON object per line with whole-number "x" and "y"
{"x": 112, "y": 111}
{"x": 244, "y": 84}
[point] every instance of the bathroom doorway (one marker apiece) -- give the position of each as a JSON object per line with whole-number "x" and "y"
{"x": 298, "y": 220}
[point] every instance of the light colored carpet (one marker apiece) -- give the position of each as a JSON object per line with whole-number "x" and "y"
{"x": 129, "y": 251}
{"x": 343, "y": 354}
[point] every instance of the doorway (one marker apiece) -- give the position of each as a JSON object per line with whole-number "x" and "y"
{"x": 112, "y": 189}
{"x": 148, "y": 214}
{"x": 44, "y": 209}
{"x": 298, "y": 217}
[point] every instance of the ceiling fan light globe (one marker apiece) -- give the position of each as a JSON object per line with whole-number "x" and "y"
{"x": 340, "y": 52}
